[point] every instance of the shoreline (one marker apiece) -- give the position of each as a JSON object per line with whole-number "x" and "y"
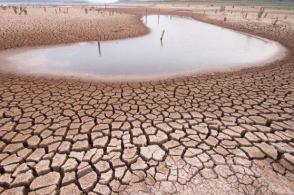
{"x": 85, "y": 77}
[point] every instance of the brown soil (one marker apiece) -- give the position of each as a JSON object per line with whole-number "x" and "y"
{"x": 229, "y": 133}
{"x": 48, "y": 28}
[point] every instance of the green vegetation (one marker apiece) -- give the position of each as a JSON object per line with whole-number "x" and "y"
{"x": 282, "y": 8}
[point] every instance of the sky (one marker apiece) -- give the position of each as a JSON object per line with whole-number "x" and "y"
{"x": 102, "y": 1}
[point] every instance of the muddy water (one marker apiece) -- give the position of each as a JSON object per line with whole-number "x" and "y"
{"x": 188, "y": 46}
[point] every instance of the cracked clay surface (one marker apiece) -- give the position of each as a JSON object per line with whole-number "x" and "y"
{"x": 229, "y": 133}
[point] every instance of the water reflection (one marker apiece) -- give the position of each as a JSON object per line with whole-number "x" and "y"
{"x": 188, "y": 46}
{"x": 162, "y": 35}
{"x": 99, "y": 48}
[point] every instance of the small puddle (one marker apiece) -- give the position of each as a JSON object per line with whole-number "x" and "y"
{"x": 188, "y": 47}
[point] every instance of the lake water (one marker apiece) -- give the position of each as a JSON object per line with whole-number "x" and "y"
{"x": 188, "y": 46}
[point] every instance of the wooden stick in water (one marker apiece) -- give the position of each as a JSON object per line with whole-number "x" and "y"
{"x": 162, "y": 35}
{"x": 99, "y": 48}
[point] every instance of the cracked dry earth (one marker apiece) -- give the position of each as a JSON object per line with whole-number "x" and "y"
{"x": 223, "y": 134}
{"x": 229, "y": 133}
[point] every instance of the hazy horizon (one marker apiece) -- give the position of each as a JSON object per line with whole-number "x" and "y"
{"x": 61, "y": 1}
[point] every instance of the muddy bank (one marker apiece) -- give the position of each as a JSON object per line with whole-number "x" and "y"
{"x": 55, "y": 26}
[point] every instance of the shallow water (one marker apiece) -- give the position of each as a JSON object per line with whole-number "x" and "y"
{"x": 187, "y": 46}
